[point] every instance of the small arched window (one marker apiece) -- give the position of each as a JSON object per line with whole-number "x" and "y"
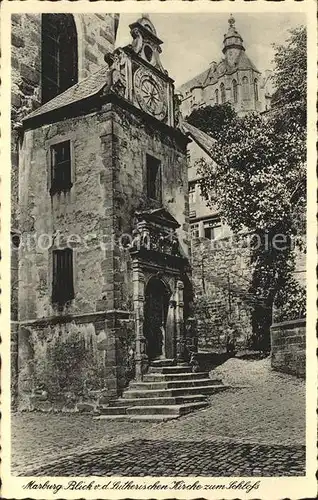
{"x": 222, "y": 88}
{"x": 235, "y": 93}
{"x": 256, "y": 90}
{"x": 217, "y": 96}
{"x": 245, "y": 87}
{"x": 59, "y": 54}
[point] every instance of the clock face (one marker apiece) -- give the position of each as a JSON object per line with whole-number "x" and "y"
{"x": 150, "y": 94}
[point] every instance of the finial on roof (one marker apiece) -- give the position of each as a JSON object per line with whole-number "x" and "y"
{"x": 145, "y": 16}
{"x": 231, "y": 21}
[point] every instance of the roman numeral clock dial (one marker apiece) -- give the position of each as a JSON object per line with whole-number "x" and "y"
{"x": 150, "y": 94}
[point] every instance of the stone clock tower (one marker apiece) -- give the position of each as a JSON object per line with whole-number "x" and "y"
{"x": 104, "y": 176}
{"x": 139, "y": 75}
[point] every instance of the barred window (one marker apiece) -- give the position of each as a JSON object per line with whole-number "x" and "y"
{"x": 154, "y": 187}
{"x": 61, "y": 168}
{"x": 59, "y": 54}
{"x": 62, "y": 286}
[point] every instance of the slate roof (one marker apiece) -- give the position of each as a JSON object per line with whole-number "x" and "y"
{"x": 81, "y": 90}
{"x": 212, "y": 74}
{"x": 203, "y": 140}
{"x": 244, "y": 62}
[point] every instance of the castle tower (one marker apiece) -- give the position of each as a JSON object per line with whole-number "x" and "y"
{"x": 232, "y": 43}
{"x": 104, "y": 177}
{"x": 234, "y": 79}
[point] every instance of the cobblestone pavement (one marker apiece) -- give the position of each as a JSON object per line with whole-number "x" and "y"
{"x": 259, "y": 427}
{"x": 178, "y": 458}
{"x": 39, "y": 438}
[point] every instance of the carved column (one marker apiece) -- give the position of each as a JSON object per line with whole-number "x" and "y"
{"x": 129, "y": 80}
{"x": 179, "y": 321}
{"x": 170, "y": 340}
{"x": 139, "y": 299}
{"x": 170, "y": 105}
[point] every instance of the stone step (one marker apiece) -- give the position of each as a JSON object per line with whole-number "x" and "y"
{"x": 166, "y": 409}
{"x": 151, "y": 418}
{"x": 170, "y": 369}
{"x": 163, "y": 362}
{"x": 179, "y": 400}
{"x": 111, "y": 410}
{"x": 173, "y": 384}
{"x": 156, "y": 393}
{"x": 176, "y": 377}
{"x": 113, "y": 417}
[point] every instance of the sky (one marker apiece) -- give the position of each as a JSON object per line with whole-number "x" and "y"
{"x": 192, "y": 41}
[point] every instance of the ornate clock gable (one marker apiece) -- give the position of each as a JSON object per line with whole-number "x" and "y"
{"x": 136, "y": 74}
{"x": 149, "y": 86}
{"x": 145, "y": 43}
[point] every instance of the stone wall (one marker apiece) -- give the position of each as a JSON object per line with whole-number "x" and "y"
{"x": 84, "y": 218}
{"x": 288, "y": 342}
{"x": 133, "y": 138}
{"x": 96, "y": 36}
{"x": 47, "y": 221}
{"x": 221, "y": 275}
{"x": 109, "y": 183}
{"x": 71, "y": 363}
{"x": 109, "y": 149}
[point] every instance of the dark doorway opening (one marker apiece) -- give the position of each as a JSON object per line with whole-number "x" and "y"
{"x": 155, "y": 317}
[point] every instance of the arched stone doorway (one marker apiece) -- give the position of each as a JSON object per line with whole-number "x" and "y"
{"x": 157, "y": 296}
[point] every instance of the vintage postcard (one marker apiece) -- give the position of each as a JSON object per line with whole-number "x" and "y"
{"x": 158, "y": 249}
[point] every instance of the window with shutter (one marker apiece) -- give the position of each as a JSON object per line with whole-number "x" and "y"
{"x": 154, "y": 182}
{"x": 61, "y": 168}
{"x": 63, "y": 285}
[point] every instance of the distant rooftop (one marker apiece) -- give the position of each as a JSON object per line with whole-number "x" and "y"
{"x": 214, "y": 72}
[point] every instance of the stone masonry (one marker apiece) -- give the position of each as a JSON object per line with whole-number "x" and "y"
{"x": 91, "y": 345}
{"x": 96, "y": 37}
{"x": 221, "y": 275}
{"x": 288, "y": 341}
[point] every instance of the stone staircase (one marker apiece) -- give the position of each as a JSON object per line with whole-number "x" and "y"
{"x": 167, "y": 391}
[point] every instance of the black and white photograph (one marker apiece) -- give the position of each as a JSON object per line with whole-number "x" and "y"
{"x": 160, "y": 235}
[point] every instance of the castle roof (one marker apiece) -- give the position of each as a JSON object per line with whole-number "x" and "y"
{"x": 88, "y": 87}
{"x": 212, "y": 74}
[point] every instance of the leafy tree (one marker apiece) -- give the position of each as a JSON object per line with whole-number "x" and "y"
{"x": 291, "y": 69}
{"x": 258, "y": 176}
{"x": 213, "y": 119}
